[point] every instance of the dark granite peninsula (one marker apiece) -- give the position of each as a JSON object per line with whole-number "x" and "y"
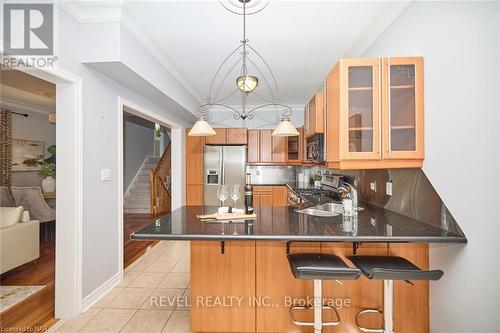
{"x": 248, "y": 258}
{"x": 277, "y": 223}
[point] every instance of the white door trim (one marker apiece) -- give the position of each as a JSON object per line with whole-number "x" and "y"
{"x": 68, "y": 266}
{"x": 144, "y": 113}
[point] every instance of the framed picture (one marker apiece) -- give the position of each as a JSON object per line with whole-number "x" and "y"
{"x": 27, "y": 155}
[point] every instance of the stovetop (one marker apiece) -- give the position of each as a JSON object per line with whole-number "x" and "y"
{"x": 317, "y": 191}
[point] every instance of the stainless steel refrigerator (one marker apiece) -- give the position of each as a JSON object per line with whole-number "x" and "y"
{"x": 224, "y": 165}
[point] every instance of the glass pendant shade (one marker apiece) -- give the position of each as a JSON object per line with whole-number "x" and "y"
{"x": 201, "y": 128}
{"x": 285, "y": 128}
{"x": 247, "y": 83}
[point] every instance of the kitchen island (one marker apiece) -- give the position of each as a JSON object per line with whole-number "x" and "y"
{"x": 241, "y": 280}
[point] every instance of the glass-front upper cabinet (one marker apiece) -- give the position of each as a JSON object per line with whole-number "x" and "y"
{"x": 360, "y": 113}
{"x": 402, "y": 108}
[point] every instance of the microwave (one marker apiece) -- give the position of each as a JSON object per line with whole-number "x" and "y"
{"x": 315, "y": 148}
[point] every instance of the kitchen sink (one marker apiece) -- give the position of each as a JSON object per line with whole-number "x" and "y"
{"x": 317, "y": 212}
{"x": 325, "y": 210}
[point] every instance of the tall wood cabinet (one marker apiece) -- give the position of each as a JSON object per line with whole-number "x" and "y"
{"x": 374, "y": 115}
{"x": 194, "y": 173}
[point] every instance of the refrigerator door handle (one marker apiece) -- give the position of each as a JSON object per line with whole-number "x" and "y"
{"x": 221, "y": 166}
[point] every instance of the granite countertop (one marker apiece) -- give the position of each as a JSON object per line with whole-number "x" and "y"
{"x": 373, "y": 224}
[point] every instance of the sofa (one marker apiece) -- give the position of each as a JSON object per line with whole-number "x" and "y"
{"x": 19, "y": 240}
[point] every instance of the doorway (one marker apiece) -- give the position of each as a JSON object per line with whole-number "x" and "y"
{"x": 147, "y": 168}
{"x": 57, "y": 272}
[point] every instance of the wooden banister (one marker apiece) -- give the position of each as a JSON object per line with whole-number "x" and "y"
{"x": 160, "y": 194}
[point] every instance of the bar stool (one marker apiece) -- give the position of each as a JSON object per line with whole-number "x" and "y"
{"x": 389, "y": 268}
{"x": 319, "y": 267}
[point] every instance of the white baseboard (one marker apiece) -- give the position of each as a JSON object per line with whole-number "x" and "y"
{"x": 102, "y": 290}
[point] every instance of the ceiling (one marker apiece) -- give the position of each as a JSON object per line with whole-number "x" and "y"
{"x": 301, "y": 40}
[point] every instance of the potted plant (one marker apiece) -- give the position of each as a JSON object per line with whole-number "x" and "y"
{"x": 317, "y": 179}
{"x": 48, "y": 170}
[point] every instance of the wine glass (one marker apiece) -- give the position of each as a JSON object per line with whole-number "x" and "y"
{"x": 222, "y": 193}
{"x": 235, "y": 193}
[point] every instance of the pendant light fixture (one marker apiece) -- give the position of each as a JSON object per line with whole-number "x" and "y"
{"x": 246, "y": 83}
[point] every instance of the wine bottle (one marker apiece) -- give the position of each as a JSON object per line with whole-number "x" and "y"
{"x": 248, "y": 196}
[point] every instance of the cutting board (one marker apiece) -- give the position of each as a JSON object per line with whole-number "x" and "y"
{"x": 227, "y": 216}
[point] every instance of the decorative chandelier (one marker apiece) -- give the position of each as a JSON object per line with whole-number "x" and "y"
{"x": 246, "y": 84}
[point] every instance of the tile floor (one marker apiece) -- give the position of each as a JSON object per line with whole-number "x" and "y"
{"x": 150, "y": 298}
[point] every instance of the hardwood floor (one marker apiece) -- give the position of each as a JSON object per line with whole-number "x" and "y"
{"x": 134, "y": 249}
{"x": 37, "y": 311}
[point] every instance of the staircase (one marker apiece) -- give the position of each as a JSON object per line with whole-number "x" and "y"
{"x": 138, "y": 198}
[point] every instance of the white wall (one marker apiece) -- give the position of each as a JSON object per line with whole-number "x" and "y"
{"x": 460, "y": 42}
{"x": 138, "y": 143}
{"x": 100, "y": 151}
{"x": 35, "y": 127}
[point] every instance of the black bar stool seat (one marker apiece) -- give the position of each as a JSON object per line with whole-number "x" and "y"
{"x": 389, "y": 268}
{"x": 317, "y": 266}
{"x": 392, "y": 268}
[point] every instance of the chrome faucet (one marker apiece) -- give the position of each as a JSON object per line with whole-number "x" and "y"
{"x": 352, "y": 193}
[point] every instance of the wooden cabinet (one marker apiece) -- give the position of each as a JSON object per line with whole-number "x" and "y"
{"x": 371, "y": 120}
{"x": 279, "y": 149}
{"x": 262, "y": 196}
{"x": 263, "y": 148}
{"x": 280, "y": 196}
{"x": 217, "y": 276}
{"x": 194, "y": 195}
{"x": 237, "y": 136}
{"x": 217, "y": 139}
{"x": 260, "y": 271}
{"x": 314, "y": 115}
{"x": 194, "y": 173}
{"x": 403, "y": 108}
{"x": 194, "y": 156}
{"x": 270, "y": 196}
{"x": 253, "y": 154}
{"x": 266, "y": 146}
{"x": 275, "y": 281}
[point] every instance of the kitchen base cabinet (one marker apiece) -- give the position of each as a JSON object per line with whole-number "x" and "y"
{"x": 218, "y": 277}
{"x": 358, "y": 294}
{"x": 258, "y": 271}
{"x": 270, "y": 196}
{"x": 276, "y": 284}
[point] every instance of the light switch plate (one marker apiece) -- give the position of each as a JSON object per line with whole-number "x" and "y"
{"x": 105, "y": 175}
{"x": 388, "y": 188}
{"x": 373, "y": 186}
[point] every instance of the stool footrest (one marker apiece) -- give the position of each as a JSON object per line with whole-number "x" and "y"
{"x": 311, "y": 323}
{"x": 367, "y": 329}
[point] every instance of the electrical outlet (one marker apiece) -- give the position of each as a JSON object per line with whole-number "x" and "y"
{"x": 388, "y": 188}
{"x": 373, "y": 186}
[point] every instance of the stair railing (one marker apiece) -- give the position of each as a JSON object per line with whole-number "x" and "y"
{"x": 160, "y": 193}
